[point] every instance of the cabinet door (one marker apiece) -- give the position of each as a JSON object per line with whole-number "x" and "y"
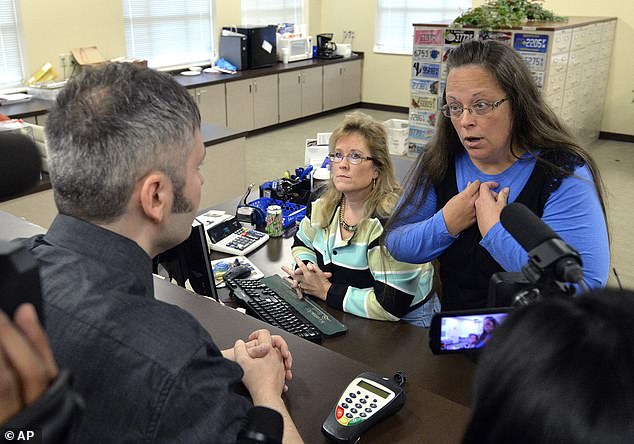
{"x": 212, "y": 105}
{"x": 351, "y": 79}
{"x": 312, "y": 84}
{"x": 332, "y": 86}
{"x": 265, "y": 107}
{"x": 240, "y": 104}
{"x": 290, "y": 95}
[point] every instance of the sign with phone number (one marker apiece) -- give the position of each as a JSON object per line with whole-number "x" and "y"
{"x": 530, "y": 42}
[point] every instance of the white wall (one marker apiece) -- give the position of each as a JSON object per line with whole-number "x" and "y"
{"x": 65, "y": 24}
{"x": 386, "y": 77}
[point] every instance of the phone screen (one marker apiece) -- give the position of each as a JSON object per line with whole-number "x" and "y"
{"x": 456, "y": 332}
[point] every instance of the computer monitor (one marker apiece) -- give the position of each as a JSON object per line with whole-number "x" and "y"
{"x": 190, "y": 261}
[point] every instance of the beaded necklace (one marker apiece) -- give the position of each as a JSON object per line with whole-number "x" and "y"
{"x": 342, "y": 221}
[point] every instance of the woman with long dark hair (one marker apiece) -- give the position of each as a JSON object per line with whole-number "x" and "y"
{"x": 496, "y": 142}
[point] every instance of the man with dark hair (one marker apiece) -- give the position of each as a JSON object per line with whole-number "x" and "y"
{"x": 558, "y": 371}
{"x": 124, "y": 155}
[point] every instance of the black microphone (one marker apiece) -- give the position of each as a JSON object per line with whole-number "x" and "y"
{"x": 20, "y": 164}
{"x": 547, "y": 252}
{"x": 261, "y": 426}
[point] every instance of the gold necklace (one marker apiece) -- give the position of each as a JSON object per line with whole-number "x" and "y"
{"x": 342, "y": 221}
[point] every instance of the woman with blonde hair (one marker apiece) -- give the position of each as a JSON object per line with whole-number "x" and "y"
{"x": 337, "y": 251}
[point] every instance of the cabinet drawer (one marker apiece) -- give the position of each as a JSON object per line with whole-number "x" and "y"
{"x": 561, "y": 41}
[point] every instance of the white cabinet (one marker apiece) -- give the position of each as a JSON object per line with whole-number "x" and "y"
{"x": 300, "y": 93}
{"x": 224, "y": 172}
{"x": 569, "y": 62}
{"x": 252, "y": 103}
{"x": 342, "y": 84}
{"x": 351, "y": 80}
{"x": 211, "y": 103}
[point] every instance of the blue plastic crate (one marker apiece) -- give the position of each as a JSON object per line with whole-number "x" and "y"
{"x": 291, "y": 212}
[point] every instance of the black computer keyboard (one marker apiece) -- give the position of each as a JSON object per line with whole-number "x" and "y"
{"x": 264, "y": 303}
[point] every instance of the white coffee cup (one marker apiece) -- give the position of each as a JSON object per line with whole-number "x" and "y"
{"x": 286, "y": 54}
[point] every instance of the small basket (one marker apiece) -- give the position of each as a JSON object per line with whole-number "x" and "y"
{"x": 291, "y": 212}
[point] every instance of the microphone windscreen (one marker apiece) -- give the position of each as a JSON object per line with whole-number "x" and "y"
{"x": 262, "y": 425}
{"x": 524, "y": 225}
{"x": 20, "y": 164}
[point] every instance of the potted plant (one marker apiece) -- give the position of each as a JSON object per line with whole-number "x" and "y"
{"x": 502, "y": 14}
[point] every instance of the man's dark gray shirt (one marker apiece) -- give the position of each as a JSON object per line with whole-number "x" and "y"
{"x": 147, "y": 370}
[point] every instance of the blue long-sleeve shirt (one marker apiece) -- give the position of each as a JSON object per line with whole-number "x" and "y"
{"x": 573, "y": 211}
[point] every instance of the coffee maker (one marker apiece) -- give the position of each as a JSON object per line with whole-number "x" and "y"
{"x": 326, "y": 48}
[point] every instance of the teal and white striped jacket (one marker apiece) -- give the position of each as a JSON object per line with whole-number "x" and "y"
{"x": 366, "y": 280}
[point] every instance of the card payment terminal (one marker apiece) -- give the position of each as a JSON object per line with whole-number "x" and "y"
{"x": 367, "y": 400}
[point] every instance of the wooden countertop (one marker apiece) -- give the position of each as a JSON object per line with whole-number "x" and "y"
{"x": 571, "y": 22}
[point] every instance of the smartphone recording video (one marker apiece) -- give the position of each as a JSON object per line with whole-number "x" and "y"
{"x": 464, "y": 331}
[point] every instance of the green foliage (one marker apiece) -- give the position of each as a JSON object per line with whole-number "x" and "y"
{"x": 498, "y": 14}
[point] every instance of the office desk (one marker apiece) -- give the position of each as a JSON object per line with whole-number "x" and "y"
{"x": 386, "y": 346}
{"x": 321, "y": 372}
{"x": 320, "y": 375}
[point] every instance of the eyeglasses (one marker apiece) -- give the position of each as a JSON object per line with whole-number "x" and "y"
{"x": 480, "y": 108}
{"x": 354, "y": 158}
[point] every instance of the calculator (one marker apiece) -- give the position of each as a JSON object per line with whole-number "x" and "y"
{"x": 232, "y": 238}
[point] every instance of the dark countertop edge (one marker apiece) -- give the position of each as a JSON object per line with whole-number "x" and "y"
{"x": 37, "y": 107}
{"x": 32, "y": 108}
{"x": 215, "y": 134}
{"x": 206, "y": 79}
{"x": 572, "y": 22}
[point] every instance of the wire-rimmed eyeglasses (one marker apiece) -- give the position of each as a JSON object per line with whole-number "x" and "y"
{"x": 480, "y": 108}
{"x": 354, "y": 158}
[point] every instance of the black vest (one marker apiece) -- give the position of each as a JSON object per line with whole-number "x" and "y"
{"x": 466, "y": 267}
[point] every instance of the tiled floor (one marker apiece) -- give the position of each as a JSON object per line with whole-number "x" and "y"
{"x": 270, "y": 154}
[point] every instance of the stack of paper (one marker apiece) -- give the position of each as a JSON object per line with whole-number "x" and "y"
{"x": 8, "y": 99}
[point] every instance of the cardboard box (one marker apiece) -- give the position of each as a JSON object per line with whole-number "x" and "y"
{"x": 89, "y": 55}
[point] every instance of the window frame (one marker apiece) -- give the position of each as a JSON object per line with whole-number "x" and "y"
{"x": 246, "y": 20}
{"x": 15, "y": 78}
{"x": 158, "y": 61}
{"x": 407, "y": 47}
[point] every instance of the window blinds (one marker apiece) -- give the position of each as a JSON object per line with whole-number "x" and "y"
{"x": 169, "y": 33}
{"x": 394, "y": 32}
{"x": 272, "y": 12}
{"x": 11, "y": 66}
